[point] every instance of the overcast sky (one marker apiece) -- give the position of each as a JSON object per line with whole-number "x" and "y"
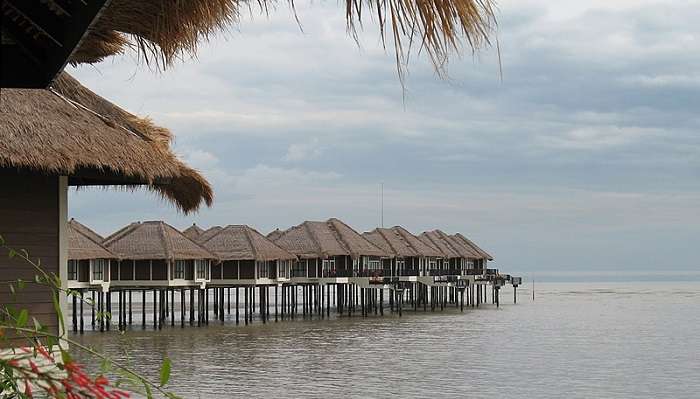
{"x": 584, "y": 156}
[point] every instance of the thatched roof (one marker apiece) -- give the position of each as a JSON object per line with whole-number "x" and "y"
{"x": 208, "y": 233}
{"x": 164, "y": 30}
{"x": 69, "y": 130}
{"x": 193, "y": 232}
{"x": 237, "y": 242}
{"x": 84, "y": 243}
{"x": 447, "y": 246}
{"x": 274, "y": 234}
{"x": 91, "y": 234}
{"x": 400, "y": 242}
{"x": 324, "y": 239}
{"x": 470, "y": 244}
{"x": 154, "y": 240}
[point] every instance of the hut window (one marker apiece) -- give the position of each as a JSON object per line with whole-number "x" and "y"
{"x": 374, "y": 265}
{"x": 201, "y": 267}
{"x": 180, "y": 269}
{"x": 400, "y": 265}
{"x": 72, "y": 270}
{"x": 328, "y": 265}
{"x": 98, "y": 269}
{"x": 263, "y": 270}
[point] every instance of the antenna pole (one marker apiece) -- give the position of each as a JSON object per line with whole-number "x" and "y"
{"x": 382, "y": 204}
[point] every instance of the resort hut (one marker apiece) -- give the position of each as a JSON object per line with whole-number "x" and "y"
{"x": 193, "y": 232}
{"x": 410, "y": 256}
{"x": 64, "y": 136}
{"x": 155, "y": 254}
{"x": 331, "y": 249}
{"x": 247, "y": 257}
{"x": 459, "y": 259}
{"x": 88, "y": 261}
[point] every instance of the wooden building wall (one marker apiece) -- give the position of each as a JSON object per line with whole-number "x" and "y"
{"x": 29, "y": 219}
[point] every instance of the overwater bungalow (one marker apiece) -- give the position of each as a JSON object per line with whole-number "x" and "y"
{"x": 410, "y": 257}
{"x": 247, "y": 258}
{"x": 67, "y": 136}
{"x": 331, "y": 250}
{"x": 193, "y": 232}
{"x": 155, "y": 254}
{"x": 88, "y": 261}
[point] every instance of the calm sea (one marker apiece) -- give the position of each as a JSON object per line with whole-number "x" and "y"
{"x": 592, "y": 340}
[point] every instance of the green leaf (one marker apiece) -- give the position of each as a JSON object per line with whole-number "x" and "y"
{"x": 11, "y": 253}
{"x": 2, "y": 240}
{"x": 37, "y": 325}
{"x": 22, "y": 318}
{"x": 21, "y": 284}
{"x": 165, "y": 371}
{"x": 149, "y": 393}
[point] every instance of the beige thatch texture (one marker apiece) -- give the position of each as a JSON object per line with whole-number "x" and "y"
{"x": 432, "y": 239}
{"x": 154, "y": 240}
{"x": 467, "y": 242}
{"x": 208, "y": 233}
{"x": 84, "y": 243}
{"x": 193, "y": 232}
{"x": 91, "y": 234}
{"x": 324, "y": 239}
{"x": 274, "y": 234}
{"x": 236, "y": 242}
{"x": 463, "y": 250}
{"x": 447, "y": 246}
{"x": 163, "y": 30}
{"x": 416, "y": 244}
{"x": 69, "y": 129}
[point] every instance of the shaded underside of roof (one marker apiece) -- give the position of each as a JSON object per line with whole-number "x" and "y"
{"x": 154, "y": 240}
{"x": 238, "y": 242}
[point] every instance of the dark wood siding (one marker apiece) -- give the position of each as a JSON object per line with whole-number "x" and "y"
{"x": 216, "y": 272}
{"x": 126, "y": 270}
{"x": 29, "y": 212}
{"x": 84, "y": 271}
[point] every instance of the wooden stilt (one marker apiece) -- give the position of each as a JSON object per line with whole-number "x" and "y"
{"x": 82, "y": 299}
{"x": 75, "y": 313}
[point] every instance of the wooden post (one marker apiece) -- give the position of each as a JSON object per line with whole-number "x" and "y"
{"x": 172, "y": 307}
{"x": 191, "y": 306}
{"x": 276, "y": 303}
{"x": 199, "y": 307}
{"x": 515, "y": 292}
{"x": 100, "y": 310}
{"x": 75, "y": 313}
{"x": 182, "y": 308}
{"x": 245, "y": 307}
{"x": 236, "y": 305}
{"x": 228, "y": 291}
{"x": 82, "y": 299}
{"x": 109, "y": 310}
{"x": 328, "y": 301}
{"x": 155, "y": 310}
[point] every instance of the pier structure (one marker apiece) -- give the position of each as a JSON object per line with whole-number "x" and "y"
{"x": 307, "y": 271}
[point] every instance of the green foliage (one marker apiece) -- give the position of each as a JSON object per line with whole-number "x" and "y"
{"x": 165, "y": 371}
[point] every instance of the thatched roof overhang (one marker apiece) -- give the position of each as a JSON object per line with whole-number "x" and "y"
{"x": 69, "y": 130}
{"x": 164, "y": 30}
{"x": 154, "y": 240}
{"x": 432, "y": 239}
{"x": 239, "y": 242}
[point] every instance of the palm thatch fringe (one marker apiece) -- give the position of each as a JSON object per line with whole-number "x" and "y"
{"x": 163, "y": 30}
